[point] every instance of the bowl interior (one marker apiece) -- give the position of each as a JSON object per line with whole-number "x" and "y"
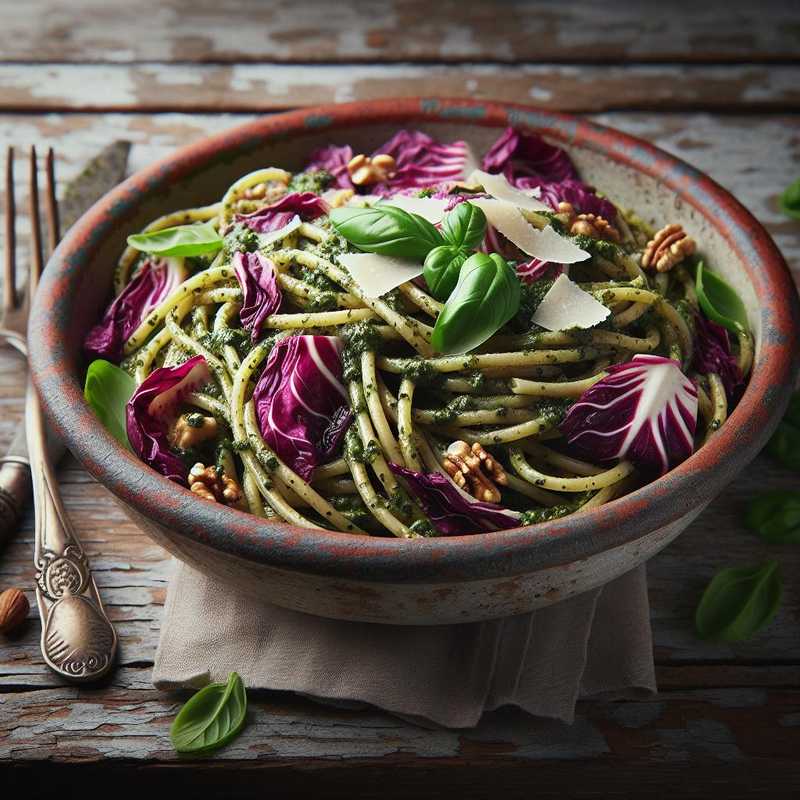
{"x": 660, "y": 189}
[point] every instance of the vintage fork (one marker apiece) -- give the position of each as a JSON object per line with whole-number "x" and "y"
{"x": 78, "y": 641}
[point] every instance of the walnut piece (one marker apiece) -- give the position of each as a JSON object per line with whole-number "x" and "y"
{"x": 364, "y": 171}
{"x": 216, "y": 486}
{"x": 594, "y": 226}
{"x": 473, "y": 469}
{"x": 192, "y": 429}
{"x": 668, "y": 248}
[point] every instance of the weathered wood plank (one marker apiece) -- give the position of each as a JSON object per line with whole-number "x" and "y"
{"x": 92, "y": 724}
{"x": 403, "y": 30}
{"x": 273, "y": 87}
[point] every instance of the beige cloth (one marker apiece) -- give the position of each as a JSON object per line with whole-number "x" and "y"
{"x": 598, "y": 643}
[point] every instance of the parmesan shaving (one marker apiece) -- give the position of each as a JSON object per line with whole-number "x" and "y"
{"x": 567, "y": 306}
{"x": 546, "y": 245}
{"x": 429, "y": 208}
{"x": 265, "y": 239}
{"x": 499, "y": 188}
{"x": 377, "y": 274}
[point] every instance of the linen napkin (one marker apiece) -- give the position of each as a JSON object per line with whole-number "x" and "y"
{"x": 597, "y": 643}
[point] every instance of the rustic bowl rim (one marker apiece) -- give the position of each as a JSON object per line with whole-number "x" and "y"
{"x": 504, "y": 553}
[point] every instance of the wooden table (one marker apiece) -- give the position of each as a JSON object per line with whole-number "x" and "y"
{"x": 719, "y": 87}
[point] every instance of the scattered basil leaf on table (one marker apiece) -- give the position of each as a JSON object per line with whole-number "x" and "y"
{"x": 739, "y": 602}
{"x": 210, "y": 718}
{"x": 442, "y": 268}
{"x": 465, "y": 226}
{"x": 789, "y": 201}
{"x": 182, "y": 240}
{"x": 486, "y": 296}
{"x": 775, "y": 517}
{"x": 719, "y": 300}
{"x": 107, "y": 390}
{"x": 387, "y": 230}
{"x": 785, "y": 442}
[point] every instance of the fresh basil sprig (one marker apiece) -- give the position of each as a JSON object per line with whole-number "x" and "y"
{"x": 775, "y": 517}
{"x": 463, "y": 229}
{"x": 790, "y": 200}
{"x": 387, "y": 230}
{"x": 442, "y": 268}
{"x": 182, "y": 240}
{"x": 464, "y": 226}
{"x": 210, "y": 718}
{"x": 785, "y": 442}
{"x": 719, "y": 300}
{"x": 739, "y": 602}
{"x": 107, "y": 390}
{"x": 486, "y": 296}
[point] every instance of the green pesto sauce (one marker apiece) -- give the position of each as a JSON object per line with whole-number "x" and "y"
{"x": 315, "y": 181}
{"x": 359, "y": 338}
{"x": 424, "y": 528}
{"x": 353, "y": 449}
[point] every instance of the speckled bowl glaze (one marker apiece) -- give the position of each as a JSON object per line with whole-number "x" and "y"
{"x": 426, "y": 581}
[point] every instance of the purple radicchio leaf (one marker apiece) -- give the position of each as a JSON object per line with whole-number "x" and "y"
{"x": 644, "y": 410}
{"x": 451, "y": 510}
{"x": 306, "y": 205}
{"x": 298, "y": 400}
{"x": 529, "y": 162}
{"x": 330, "y": 443}
{"x": 536, "y": 269}
{"x": 334, "y": 160}
{"x": 421, "y": 162}
{"x": 155, "y": 280}
{"x": 712, "y": 353}
{"x": 578, "y": 194}
{"x": 154, "y": 405}
{"x": 520, "y": 155}
{"x": 261, "y": 295}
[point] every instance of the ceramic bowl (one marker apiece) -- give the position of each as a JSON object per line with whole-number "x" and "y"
{"x": 424, "y": 581}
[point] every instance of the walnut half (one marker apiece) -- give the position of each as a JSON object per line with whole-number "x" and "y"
{"x": 667, "y": 248}
{"x": 216, "y": 486}
{"x": 473, "y": 469}
{"x": 364, "y": 170}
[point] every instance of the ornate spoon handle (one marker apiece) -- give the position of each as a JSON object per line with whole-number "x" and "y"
{"x": 78, "y": 641}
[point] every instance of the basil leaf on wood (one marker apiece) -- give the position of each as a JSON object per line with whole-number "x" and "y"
{"x": 486, "y": 296}
{"x": 107, "y": 390}
{"x": 442, "y": 268}
{"x": 719, "y": 300}
{"x": 387, "y": 230}
{"x": 789, "y": 201}
{"x": 775, "y": 517}
{"x": 739, "y": 602}
{"x": 465, "y": 226}
{"x": 182, "y": 240}
{"x": 210, "y": 718}
{"x": 785, "y": 442}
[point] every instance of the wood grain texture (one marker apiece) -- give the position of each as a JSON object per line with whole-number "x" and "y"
{"x": 722, "y": 709}
{"x": 274, "y": 87}
{"x": 402, "y": 30}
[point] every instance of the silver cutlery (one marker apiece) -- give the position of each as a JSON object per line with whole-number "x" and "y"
{"x": 78, "y": 641}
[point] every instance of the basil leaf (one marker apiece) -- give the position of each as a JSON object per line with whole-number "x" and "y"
{"x": 775, "y": 517}
{"x": 465, "y": 226}
{"x": 785, "y": 442}
{"x": 183, "y": 240}
{"x": 211, "y": 718}
{"x": 789, "y": 201}
{"x": 719, "y": 301}
{"x": 739, "y": 602}
{"x": 387, "y": 230}
{"x": 107, "y": 390}
{"x": 442, "y": 268}
{"x": 486, "y": 296}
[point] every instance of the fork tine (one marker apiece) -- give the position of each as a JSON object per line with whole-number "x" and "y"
{"x": 51, "y": 207}
{"x": 10, "y": 265}
{"x": 36, "y": 228}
